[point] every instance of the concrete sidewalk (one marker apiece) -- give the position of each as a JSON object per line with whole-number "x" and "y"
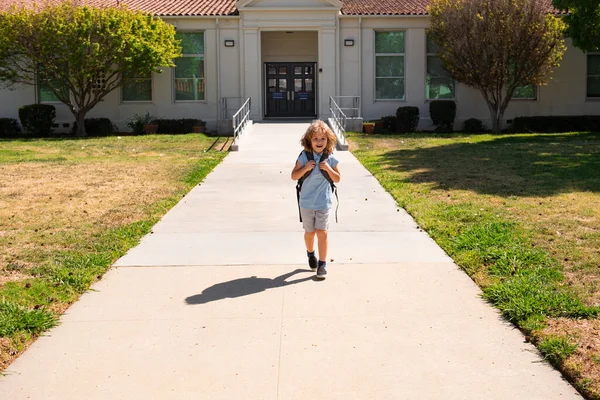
{"x": 217, "y": 303}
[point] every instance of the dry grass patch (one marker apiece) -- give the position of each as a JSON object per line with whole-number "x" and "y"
{"x": 583, "y": 365}
{"x": 69, "y": 208}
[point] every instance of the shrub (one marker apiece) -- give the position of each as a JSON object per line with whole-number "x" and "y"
{"x": 9, "y": 127}
{"x": 136, "y": 122}
{"x": 389, "y": 122}
{"x": 443, "y": 113}
{"x": 96, "y": 127}
{"x": 473, "y": 125}
{"x": 407, "y": 119}
{"x": 176, "y": 126}
{"x": 37, "y": 119}
{"x": 558, "y": 123}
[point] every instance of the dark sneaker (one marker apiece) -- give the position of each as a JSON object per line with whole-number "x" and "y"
{"x": 321, "y": 272}
{"x": 312, "y": 262}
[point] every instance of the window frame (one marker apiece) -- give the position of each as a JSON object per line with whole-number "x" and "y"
{"x": 427, "y": 55}
{"x": 375, "y": 55}
{"x": 587, "y": 75}
{"x": 184, "y": 55}
{"x": 151, "y": 79}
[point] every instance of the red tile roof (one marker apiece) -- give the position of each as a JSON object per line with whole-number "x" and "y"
{"x": 227, "y": 7}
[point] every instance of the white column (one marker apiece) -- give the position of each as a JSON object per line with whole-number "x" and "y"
{"x": 326, "y": 70}
{"x": 252, "y": 71}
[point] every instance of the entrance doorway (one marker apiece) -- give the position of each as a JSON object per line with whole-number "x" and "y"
{"x": 290, "y": 89}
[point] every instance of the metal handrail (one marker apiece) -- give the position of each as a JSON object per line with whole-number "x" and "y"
{"x": 338, "y": 120}
{"x": 349, "y": 104}
{"x": 240, "y": 119}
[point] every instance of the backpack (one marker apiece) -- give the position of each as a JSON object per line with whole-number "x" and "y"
{"x": 324, "y": 157}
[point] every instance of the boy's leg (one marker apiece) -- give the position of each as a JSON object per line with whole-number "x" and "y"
{"x": 308, "y": 222}
{"x": 323, "y": 244}
{"x": 321, "y": 226}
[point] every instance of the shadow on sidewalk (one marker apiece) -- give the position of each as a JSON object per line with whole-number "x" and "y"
{"x": 245, "y": 286}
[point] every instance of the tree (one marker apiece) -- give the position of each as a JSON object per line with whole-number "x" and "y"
{"x": 583, "y": 20}
{"x": 497, "y": 46}
{"x": 82, "y": 53}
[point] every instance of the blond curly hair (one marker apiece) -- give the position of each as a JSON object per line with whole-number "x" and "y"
{"x": 318, "y": 126}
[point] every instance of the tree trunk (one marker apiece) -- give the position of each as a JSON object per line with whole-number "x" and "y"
{"x": 80, "y": 118}
{"x": 497, "y": 114}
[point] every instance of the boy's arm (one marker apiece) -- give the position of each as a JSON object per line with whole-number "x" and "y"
{"x": 299, "y": 171}
{"x": 334, "y": 172}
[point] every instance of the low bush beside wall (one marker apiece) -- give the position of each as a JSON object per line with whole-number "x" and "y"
{"x": 558, "y": 123}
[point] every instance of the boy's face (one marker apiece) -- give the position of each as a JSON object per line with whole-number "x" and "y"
{"x": 319, "y": 142}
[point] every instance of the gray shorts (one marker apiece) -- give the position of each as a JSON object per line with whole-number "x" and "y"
{"x": 315, "y": 219}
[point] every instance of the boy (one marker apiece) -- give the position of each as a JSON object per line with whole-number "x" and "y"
{"x": 315, "y": 195}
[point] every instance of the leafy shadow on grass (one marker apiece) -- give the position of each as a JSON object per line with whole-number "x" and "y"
{"x": 243, "y": 287}
{"x": 540, "y": 165}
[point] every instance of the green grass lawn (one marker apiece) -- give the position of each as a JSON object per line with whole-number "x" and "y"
{"x": 69, "y": 208}
{"x": 519, "y": 213}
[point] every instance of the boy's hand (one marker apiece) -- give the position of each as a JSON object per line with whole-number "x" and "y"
{"x": 310, "y": 165}
{"x": 325, "y": 166}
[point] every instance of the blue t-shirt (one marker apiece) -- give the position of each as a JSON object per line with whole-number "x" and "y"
{"x": 316, "y": 190}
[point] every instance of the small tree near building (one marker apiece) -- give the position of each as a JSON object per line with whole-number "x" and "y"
{"x": 583, "y": 20}
{"x": 81, "y": 53}
{"x": 497, "y": 46}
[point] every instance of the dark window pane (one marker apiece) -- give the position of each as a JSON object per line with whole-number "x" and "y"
{"x": 525, "y": 92}
{"x": 282, "y": 70}
{"x": 389, "y": 66}
{"x": 389, "y": 42}
{"x": 440, "y": 88}
{"x": 432, "y": 47}
{"x": 593, "y": 64}
{"x": 189, "y": 67}
{"x": 189, "y": 89}
{"x": 308, "y": 85}
{"x": 593, "y": 86}
{"x": 191, "y": 42}
{"x": 389, "y": 88}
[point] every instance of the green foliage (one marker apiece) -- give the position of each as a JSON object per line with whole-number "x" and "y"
{"x": 407, "y": 119}
{"x": 9, "y": 127}
{"x": 88, "y": 50}
{"x": 176, "y": 126}
{"x": 497, "y": 46}
{"x": 37, "y": 119}
{"x": 557, "y": 123}
{"x": 14, "y": 319}
{"x": 583, "y": 22}
{"x": 96, "y": 127}
{"x": 473, "y": 125}
{"x": 443, "y": 113}
{"x": 136, "y": 122}
{"x": 555, "y": 349}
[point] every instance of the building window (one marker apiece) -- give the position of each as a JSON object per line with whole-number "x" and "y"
{"x": 137, "y": 88}
{"x": 593, "y": 75}
{"x": 389, "y": 65}
{"x": 439, "y": 83}
{"x": 45, "y": 94}
{"x": 528, "y": 92}
{"x": 189, "y": 68}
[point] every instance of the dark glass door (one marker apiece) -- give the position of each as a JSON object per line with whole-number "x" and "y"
{"x": 290, "y": 89}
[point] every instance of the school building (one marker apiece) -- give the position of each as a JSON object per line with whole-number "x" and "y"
{"x": 292, "y": 58}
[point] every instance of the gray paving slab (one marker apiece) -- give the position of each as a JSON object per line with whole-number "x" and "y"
{"x": 217, "y": 303}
